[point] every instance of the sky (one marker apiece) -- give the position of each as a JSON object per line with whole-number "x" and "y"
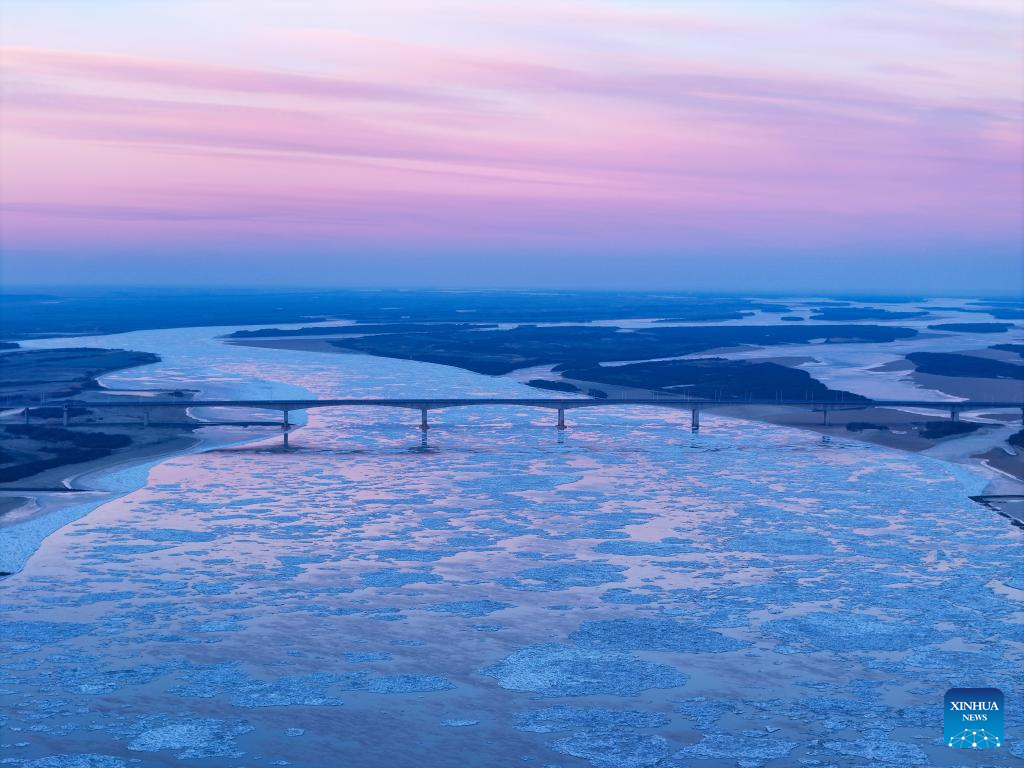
{"x": 807, "y": 146}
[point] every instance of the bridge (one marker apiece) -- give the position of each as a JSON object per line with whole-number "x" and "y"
{"x": 559, "y": 404}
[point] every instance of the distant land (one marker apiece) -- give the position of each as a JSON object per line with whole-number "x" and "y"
{"x": 45, "y": 312}
{"x": 847, "y": 314}
{"x": 950, "y": 364}
{"x": 714, "y": 378}
{"x": 972, "y": 327}
{"x": 79, "y": 312}
{"x": 359, "y": 329}
{"x": 502, "y": 351}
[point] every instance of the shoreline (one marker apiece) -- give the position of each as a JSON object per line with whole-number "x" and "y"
{"x": 75, "y": 483}
{"x": 43, "y": 511}
{"x": 37, "y": 506}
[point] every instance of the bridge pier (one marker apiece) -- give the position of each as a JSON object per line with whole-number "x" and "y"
{"x": 954, "y": 414}
{"x": 26, "y": 414}
{"x": 423, "y": 420}
{"x": 695, "y": 420}
{"x": 145, "y": 418}
{"x": 285, "y": 425}
{"x": 826, "y": 416}
{"x": 561, "y": 418}
{"x": 66, "y": 414}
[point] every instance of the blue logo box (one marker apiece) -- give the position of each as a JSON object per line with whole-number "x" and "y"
{"x": 973, "y": 718}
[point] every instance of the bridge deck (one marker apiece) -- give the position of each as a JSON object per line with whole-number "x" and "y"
{"x": 431, "y": 403}
{"x": 561, "y": 404}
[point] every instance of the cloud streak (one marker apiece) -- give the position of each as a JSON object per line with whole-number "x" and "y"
{"x": 79, "y": 65}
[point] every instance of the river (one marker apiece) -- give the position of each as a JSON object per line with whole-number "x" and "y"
{"x": 623, "y": 595}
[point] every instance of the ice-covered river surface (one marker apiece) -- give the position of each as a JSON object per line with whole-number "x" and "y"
{"x": 623, "y": 595}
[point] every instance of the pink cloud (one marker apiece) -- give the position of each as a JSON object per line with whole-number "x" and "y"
{"x": 79, "y": 65}
{"x": 440, "y": 141}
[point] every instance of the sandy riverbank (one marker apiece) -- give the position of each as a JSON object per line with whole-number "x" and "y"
{"x": 41, "y": 454}
{"x": 35, "y": 507}
{"x": 21, "y": 500}
{"x": 10, "y": 503}
{"x": 44, "y": 438}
